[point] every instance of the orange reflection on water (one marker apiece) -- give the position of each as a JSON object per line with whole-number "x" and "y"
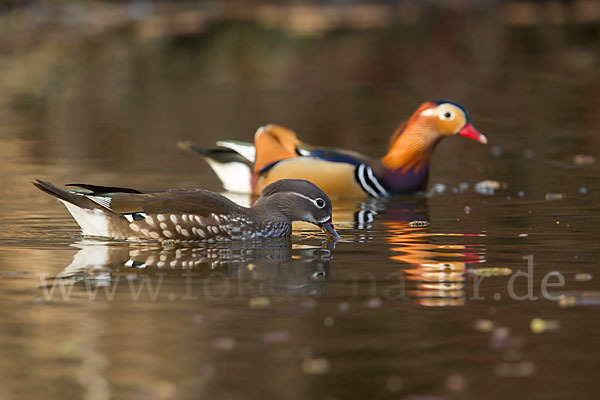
{"x": 439, "y": 269}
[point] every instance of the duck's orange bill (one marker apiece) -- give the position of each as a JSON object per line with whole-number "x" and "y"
{"x": 470, "y": 132}
{"x": 329, "y": 229}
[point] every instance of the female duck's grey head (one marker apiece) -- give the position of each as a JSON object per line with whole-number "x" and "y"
{"x": 302, "y": 200}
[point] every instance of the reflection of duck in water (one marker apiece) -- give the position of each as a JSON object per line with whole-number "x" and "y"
{"x": 279, "y": 266}
{"x": 439, "y": 267}
{"x": 437, "y": 261}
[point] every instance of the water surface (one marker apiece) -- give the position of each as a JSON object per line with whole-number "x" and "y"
{"x": 403, "y": 305}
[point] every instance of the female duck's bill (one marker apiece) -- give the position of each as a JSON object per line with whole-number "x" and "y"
{"x": 328, "y": 228}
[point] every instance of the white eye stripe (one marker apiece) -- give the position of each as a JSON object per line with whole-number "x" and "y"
{"x": 429, "y": 112}
{"x": 435, "y": 112}
{"x": 315, "y": 201}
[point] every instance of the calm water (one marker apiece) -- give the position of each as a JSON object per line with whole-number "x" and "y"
{"x": 396, "y": 309}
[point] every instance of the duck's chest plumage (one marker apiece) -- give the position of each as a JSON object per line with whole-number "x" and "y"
{"x": 401, "y": 181}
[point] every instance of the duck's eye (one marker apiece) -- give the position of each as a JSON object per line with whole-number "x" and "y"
{"x": 320, "y": 202}
{"x": 447, "y": 115}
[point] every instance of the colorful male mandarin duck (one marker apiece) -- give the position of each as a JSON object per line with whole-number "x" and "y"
{"x": 193, "y": 214}
{"x": 277, "y": 154}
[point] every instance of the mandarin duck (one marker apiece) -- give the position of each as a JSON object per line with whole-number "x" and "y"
{"x": 278, "y": 154}
{"x": 193, "y": 214}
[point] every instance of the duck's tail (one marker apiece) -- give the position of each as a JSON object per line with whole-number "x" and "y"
{"x": 92, "y": 213}
{"x": 232, "y": 161}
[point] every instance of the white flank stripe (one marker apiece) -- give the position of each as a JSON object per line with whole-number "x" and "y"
{"x": 376, "y": 182}
{"x": 363, "y": 181}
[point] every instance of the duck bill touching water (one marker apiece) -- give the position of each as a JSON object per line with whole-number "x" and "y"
{"x": 278, "y": 154}
{"x": 193, "y": 214}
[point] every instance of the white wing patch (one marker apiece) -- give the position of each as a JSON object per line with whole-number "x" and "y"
{"x": 136, "y": 216}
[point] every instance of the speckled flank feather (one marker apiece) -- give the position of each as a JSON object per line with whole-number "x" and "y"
{"x": 215, "y": 227}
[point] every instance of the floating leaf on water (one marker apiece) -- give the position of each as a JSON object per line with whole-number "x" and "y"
{"x": 418, "y": 224}
{"x": 163, "y": 390}
{"x": 438, "y": 188}
{"x": 259, "y": 302}
{"x": 394, "y": 384}
{"x": 306, "y": 353}
{"x": 580, "y": 298}
{"x": 584, "y": 159}
{"x": 512, "y": 354}
{"x": 492, "y": 271}
{"x": 70, "y": 348}
{"x": 317, "y": 366}
{"x": 224, "y": 343}
{"x": 514, "y": 370}
{"x": 496, "y": 151}
{"x": 374, "y": 302}
{"x": 487, "y": 187}
{"x": 328, "y": 321}
{"x": 538, "y": 325}
{"x": 555, "y": 196}
{"x": 308, "y": 303}
{"x": 483, "y": 325}
{"x": 583, "y": 277}
{"x": 198, "y": 318}
{"x": 499, "y": 337}
{"x": 276, "y": 337}
{"x": 456, "y": 383}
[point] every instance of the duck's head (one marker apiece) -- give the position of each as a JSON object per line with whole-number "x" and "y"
{"x": 413, "y": 142}
{"x": 300, "y": 200}
{"x": 449, "y": 118}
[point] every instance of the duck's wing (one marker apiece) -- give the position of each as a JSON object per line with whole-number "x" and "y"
{"x": 180, "y": 201}
{"x": 171, "y": 214}
{"x": 98, "y": 190}
{"x": 275, "y": 143}
{"x": 333, "y": 154}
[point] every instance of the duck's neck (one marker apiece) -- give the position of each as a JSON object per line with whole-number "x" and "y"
{"x": 405, "y": 167}
{"x": 270, "y": 216}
